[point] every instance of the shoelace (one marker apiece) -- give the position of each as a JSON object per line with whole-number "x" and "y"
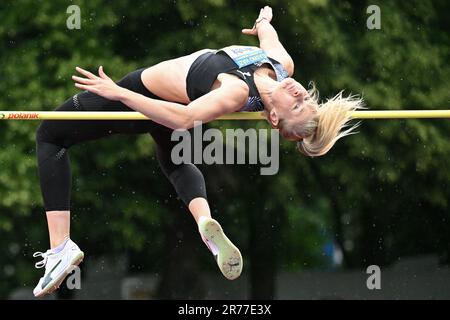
{"x": 44, "y": 256}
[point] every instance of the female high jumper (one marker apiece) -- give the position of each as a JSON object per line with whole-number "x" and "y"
{"x": 201, "y": 86}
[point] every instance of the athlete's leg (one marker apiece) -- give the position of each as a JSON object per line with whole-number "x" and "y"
{"x": 186, "y": 178}
{"x": 53, "y": 140}
{"x": 189, "y": 183}
{"x": 58, "y": 222}
{"x": 199, "y": 207}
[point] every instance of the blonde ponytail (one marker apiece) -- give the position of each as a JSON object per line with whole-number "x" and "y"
{"x": 329, "y": 124}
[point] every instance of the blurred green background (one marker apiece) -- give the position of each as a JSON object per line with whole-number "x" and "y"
{"x": 378, "y": 197}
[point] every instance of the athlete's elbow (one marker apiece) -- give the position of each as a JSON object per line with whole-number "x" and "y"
{"x": 290, "y": 67}
{"x": 184, "y": 122}
{"x": 185, "y": 126}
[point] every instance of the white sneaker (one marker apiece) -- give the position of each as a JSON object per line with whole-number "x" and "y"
{"x": 57, "y": 267}
{"x": 228, "y": 257}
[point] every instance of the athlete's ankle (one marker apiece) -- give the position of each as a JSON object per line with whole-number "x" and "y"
{"x": 56, "y": 244}
{"x": 202, "y": 218}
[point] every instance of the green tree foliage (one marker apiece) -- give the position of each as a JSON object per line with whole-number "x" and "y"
{"x": 380, "y": 194}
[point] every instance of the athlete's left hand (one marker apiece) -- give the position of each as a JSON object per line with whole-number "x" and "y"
{"x": 102, "y": 85}
{"x": 264, "y": 13}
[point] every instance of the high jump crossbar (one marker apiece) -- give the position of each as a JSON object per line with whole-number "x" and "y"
{"x": 82, "y": 115}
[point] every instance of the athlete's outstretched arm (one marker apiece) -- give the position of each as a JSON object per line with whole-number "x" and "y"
{"x": 230, "y": 97}
{"x": 269, "y": 41}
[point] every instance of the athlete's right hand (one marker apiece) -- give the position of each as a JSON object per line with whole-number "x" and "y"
{"x": 264, "y": 14}
{"x": 102, "y": 85}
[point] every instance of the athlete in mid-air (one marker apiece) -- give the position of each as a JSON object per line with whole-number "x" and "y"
{"x": 201, "y": 86}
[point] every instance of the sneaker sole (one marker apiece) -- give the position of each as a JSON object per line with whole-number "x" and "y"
{"x": 229, "y": 258}
{"x": 53, "y": 285}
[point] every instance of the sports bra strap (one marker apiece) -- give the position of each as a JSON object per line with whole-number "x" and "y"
{"x": 244, "y": 56}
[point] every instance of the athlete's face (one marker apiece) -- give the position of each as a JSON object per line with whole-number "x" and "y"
{"x": 290, "y": 101}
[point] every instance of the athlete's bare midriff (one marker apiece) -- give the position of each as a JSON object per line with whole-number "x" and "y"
{"x": 167, "y": 79}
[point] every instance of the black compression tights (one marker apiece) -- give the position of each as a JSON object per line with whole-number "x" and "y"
{"x": 54, "y": 138}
